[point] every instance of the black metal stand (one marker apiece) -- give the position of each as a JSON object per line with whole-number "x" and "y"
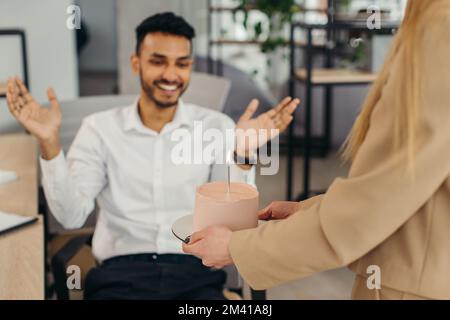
{"x": 215, "y": 66}
{"x": 331, "y": 27}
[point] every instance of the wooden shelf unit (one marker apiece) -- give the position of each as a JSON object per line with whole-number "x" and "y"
{"x": 335, "y": 76}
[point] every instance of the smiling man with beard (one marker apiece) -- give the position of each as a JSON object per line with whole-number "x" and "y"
{"x": 121, "y": 159}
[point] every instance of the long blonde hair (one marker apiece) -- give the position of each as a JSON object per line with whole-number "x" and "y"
{"x": 407, "y": 102}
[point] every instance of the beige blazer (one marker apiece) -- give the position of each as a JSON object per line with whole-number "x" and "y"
{"x": 375, "y": 216}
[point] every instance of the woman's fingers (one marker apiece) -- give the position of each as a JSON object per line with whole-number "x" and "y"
{"x": 197, "y": 236}
{"x": 278, "y": 215}
{"x": 266, "y": 213}
{"x": 278, "y": 210}
{"x": 191, "y": 248}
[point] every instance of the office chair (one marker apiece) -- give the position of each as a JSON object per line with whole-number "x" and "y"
{"x": 73, "y": 113}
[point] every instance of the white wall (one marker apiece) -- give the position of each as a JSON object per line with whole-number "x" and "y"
{"x": 51, "y": 49}
{"x": 11, "y": 61}
{"x": 100, "y": 53}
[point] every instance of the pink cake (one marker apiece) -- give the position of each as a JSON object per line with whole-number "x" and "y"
{"x": 236, "y": 209}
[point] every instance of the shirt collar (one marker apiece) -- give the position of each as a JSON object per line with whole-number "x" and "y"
{"x": 133, "y": 120}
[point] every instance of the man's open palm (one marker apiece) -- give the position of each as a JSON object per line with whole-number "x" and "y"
{"x": 41, "y": 122}
{"x": 266, "y": 126}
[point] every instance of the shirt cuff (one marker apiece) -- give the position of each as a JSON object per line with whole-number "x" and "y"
{"x": 55, "y": 168}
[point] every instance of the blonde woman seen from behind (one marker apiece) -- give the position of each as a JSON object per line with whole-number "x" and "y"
{"x": 392, "y": 213}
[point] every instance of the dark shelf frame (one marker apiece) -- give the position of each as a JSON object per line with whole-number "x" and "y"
{"x": 331, "y": 28}
{"x": 20, "y": 33}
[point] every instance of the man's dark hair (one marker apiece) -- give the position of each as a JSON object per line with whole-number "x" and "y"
{"x": 166, "y": 22}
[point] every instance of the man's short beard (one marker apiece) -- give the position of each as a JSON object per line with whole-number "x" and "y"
{"x": 149, "y": 92}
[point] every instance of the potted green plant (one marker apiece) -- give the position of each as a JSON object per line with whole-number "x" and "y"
{"x": 278, "y": 12}
{"x": 271, "y": 34}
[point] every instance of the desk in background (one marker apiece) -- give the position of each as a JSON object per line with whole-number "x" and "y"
{"x": 21, "y": 251}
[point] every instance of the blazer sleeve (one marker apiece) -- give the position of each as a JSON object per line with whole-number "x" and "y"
{"x": 359, "y": 212}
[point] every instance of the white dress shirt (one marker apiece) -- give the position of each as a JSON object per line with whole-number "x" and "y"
{"x": 127, "y": 168}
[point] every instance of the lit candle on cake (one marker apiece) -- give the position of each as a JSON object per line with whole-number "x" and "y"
{"x": 229, "y": 160}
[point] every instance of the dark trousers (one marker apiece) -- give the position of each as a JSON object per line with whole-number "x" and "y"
{"x": 152, "y": 276}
